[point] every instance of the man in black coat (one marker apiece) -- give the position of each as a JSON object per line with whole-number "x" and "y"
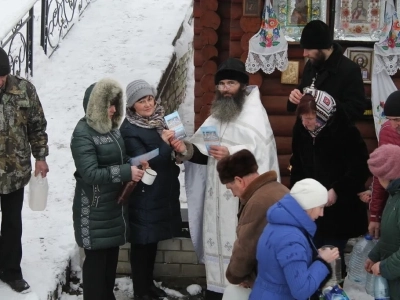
{"x": 330, "y": 71}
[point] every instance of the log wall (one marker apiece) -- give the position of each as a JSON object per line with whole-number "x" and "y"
{"x": 221, "y": 31}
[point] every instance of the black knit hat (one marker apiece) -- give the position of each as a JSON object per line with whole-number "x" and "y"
{"x": 316, "y": 35}
{"x": 232, "y": 69}
{"x": 240, "y": 164}
{"x": 392, "y": 105}
{"x": 4, "y": 63}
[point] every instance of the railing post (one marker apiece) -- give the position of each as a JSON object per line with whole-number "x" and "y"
{"x": 44, "y": 28}
{"x": 29, "y": 48}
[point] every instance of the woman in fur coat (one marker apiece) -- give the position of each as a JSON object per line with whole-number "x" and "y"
{"x": 100, "y": 222}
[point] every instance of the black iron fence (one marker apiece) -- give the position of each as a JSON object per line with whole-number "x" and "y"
{"x": 57, "y": 19}
{"x": 18, "y": 43}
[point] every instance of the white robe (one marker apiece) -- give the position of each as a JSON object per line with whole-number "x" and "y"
{"x": 212, "y": 208}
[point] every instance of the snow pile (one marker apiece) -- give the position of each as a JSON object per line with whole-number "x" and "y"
{"x": 194, "y": 289}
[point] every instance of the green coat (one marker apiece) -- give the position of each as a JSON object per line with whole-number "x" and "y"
{"x": 387, "y": 250}
{"x": 99, "y": 155}
{"x": 22, "y": 129}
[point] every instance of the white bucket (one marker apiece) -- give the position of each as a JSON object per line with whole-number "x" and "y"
{"x": 236, "y": 292}
{"x": 38, "y": 191}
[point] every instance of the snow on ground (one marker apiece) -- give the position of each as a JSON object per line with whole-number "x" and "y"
{"x": 122, "y": 39}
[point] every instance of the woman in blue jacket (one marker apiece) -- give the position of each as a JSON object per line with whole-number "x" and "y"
{"x": 289, "y": 265}
{"x": 154, "y": 210}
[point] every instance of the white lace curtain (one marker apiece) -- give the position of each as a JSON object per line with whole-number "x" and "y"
{"x": 268, "y": 48}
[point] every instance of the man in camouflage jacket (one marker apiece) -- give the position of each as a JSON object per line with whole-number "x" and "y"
{"x": 22, "y": 132}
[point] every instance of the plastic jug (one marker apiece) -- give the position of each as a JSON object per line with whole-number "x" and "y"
{"x": 369, "y": 284}
{"x": 381, "y": 288}
{"x": 38, "y": 192}
{"x": 358, "y": 256}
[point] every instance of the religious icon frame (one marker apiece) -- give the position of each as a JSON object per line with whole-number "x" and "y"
{"x": 291, "y": 74}
{"x": 311, "y": 10}
{"x": 366, "y": 57}
{"x": 252, "y": 8}
{"x": 358, "y": 23}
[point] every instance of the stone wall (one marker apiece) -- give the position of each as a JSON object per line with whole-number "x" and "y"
{"x": 175, "y": 258}
{"x": 172, "y": 86}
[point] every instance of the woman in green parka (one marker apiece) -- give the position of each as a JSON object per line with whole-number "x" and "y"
{"x": 384, "y": 258}
{"x": 100, "y": 223}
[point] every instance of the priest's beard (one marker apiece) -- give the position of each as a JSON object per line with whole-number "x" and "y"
{"x": 227, "y": 107}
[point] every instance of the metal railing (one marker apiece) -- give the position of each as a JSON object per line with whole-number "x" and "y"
{"x": 58, "y": 17}
{"x": 19, "y": 46}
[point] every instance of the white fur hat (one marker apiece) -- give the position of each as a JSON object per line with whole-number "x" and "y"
{"x": 309, "y": 193}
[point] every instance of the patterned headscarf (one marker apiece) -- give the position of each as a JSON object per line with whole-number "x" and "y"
{"x": 326, "y": 107}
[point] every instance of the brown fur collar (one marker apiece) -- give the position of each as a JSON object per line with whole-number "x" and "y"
{"x": 261, "y": 180}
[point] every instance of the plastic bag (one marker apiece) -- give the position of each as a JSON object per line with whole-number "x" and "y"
{"x": 38, "y": 192}
{"x": 236, "y": 292}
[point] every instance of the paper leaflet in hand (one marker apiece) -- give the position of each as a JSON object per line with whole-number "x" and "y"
{"x": 136, "y": 161}
{"x": 210, "y": 136}
{"x": 174, "y": 123}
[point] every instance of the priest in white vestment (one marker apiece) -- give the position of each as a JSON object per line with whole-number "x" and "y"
{"x": 241, "y": 122}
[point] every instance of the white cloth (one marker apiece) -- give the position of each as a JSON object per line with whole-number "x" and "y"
{"x": 236, "y": 292}
{"x": 212, "y": 208}
{"x": 268, "y": 48}
{"x": 386, "y": 63}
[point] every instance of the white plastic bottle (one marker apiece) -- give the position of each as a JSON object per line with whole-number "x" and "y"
{"x": 38, "y": 192}
{"x": 358, "y": 256}
{"x": 381, "y": 288}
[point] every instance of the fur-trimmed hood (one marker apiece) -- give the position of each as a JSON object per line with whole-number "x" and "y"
{"x": 96, "y": 102}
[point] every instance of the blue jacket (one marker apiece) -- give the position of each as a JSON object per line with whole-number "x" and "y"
{"x": 287, "y": 269}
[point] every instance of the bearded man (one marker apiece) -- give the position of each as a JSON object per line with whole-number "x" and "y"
{"x": 241, "y": 123}
{"x": 330, "y": 71}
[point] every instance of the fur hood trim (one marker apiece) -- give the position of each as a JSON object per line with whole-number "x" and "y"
{"x": 103, "y": 93}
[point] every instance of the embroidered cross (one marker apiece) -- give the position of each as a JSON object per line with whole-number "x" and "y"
{"x": 210, "y": 192}
{"x": 228, "y": 246}
{"x": 228, "y": 194}
{"x": 210, "y": 242}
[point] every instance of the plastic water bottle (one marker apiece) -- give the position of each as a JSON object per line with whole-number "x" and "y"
{"x": 357, "y": 260}
{"x": 381, "y": 288}
{"x": 369, "y": 284}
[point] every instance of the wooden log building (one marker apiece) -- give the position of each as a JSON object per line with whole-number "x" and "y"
{"x": 221, "y": 31}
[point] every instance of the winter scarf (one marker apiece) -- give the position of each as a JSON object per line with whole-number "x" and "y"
{"x": 156, "y": 120}
{"x": 326, "y": 107}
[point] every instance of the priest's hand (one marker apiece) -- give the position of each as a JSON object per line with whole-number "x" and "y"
{"x": 218, "y": 152}
{"x": 178, "y": 145}
{"x": 295, "y": 96}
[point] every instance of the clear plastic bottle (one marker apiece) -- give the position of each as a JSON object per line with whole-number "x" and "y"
{"x": 369, "y": 284}
{"x": 358, "y": 256}
{"x": 381, "y": 288}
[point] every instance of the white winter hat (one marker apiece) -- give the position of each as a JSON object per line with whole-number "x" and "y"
{"x": 309, "y": 193}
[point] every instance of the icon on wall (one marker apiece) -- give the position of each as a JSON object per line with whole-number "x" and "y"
{"x": 291, "y": 74}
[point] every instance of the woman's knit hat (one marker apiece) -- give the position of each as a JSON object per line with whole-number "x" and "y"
{"x": 384, "y": 162}
{"x": 136, "y": 90}
{"x": 309, "y": 193}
